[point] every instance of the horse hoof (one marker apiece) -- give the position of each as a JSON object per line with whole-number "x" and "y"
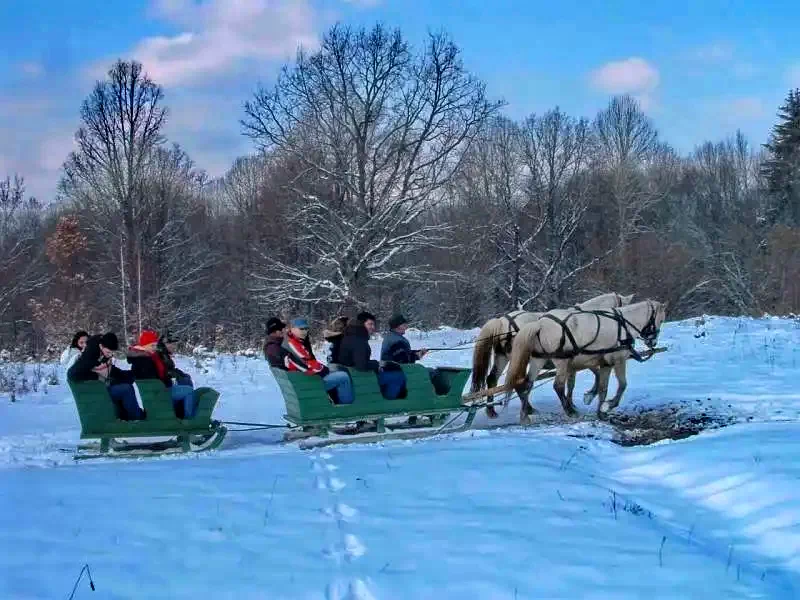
{"x": 491, "y": 412}
{"x": 588, "y": 398}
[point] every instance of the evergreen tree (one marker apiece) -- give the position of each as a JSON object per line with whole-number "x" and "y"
{"x": 782, "y": 168}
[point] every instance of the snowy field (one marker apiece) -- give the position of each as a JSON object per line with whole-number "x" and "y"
{"x": 555, "y": 510}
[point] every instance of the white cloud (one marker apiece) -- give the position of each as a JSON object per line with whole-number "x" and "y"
{"x": 633, "y": 76}
{"x": 31, "y": 69}
{"x": 219, "y": 35}
{"x": 626, "y": 76}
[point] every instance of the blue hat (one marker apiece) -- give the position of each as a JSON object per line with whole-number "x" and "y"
{"x": 299, "y": 322}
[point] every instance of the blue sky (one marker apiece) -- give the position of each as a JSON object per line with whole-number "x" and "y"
{"x": 701, "y": 69}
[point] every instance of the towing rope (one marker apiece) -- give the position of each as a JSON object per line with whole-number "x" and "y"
{"x": 254, "y": 426}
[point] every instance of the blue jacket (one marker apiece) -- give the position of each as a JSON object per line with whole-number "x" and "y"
{"x": 396, "y": 348}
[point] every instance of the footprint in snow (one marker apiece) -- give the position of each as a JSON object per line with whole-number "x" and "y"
{"x": 345, "y": 511}
{"x": 348, "y": 590}
{"x": 336, "y": 484}
{"x": 353, "y": 547}
{"x": 341, "y": 512}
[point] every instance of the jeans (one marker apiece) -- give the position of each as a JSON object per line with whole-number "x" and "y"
{"x": 339, "y": 380}
{"x": 184, "y": 401}
{"x": 391, "y": 383}
{"x": 124, "y": 397}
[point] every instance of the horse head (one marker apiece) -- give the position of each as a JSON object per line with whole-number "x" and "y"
{"x": 656, "y": 314}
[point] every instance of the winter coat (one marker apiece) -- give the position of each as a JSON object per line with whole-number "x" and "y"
{"x": 335, "y": 349}
{"x": 396, "y": 348}
{"x": 91, "y": 357}
{"x": 148, "y": 365}
{"x": 299, "y": 357}
{"x": 274, "y": 353}
{"x": 172, "y": 370}
{"x": 69, "y": 356}
{"x": 355, "y": 351}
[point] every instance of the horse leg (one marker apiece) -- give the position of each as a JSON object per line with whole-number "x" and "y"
{"x": 590, "y": 395}
{"x": 562, "y": 373}
{"x": 622, "y": 384}
{"x": 491, "y": 381}
{"x": 500, "y": 363}
{"x": 571, "y": 373}
{"x": 525, "y": 389}
{"x": 602, "y": 390}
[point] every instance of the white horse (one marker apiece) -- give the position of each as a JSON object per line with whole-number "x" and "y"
{"x": 582, "y": 339}
{"x": 497, "y": 337}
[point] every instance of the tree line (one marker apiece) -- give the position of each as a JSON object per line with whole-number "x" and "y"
{"x": 387, "y": 177}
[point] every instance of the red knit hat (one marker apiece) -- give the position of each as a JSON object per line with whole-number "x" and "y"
{"x": 148, "y": 336}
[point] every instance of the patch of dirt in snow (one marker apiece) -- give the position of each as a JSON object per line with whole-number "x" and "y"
{"x": 643, "y": 426}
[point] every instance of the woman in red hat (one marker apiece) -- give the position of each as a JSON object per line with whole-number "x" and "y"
{"x": 147, "y": 363}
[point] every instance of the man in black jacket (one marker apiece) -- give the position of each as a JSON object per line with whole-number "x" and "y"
{"x": 396, "y": 348}
{"x": 96, "y": 363}
{"x": 355, "y": 352}
{"x": 272, "y": 348}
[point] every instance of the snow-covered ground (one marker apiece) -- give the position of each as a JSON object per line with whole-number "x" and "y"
{"x": 549, "y": 511}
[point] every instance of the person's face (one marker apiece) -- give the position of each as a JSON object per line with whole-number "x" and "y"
{"x": 300, "y": 332}
{"x": 401, "y": 329}
{"x": 171, "y": 347}
{"x": 277, "y": 334}
{"x": 370, "y": 325}
{"x": 82, "y": 342}
{"x": 106, "y": 352}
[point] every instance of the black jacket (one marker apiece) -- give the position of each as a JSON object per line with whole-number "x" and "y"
{"x": 143, "y": 366}
{"x": 355, "y": 351}
{"x": 274, "y": 352}
{"x": 336, "y": 348}
{"x": 92, "y": 357}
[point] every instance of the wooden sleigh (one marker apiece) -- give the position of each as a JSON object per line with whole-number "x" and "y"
{"x": 99, "y": 421}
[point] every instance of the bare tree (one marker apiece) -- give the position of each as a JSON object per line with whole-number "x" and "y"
{"x": 628, "y": 145}
{"x": 491, "y": 187}
{"x": 558, "y": 151}
{"x": 122, "y": 121}
{"x": 172, "y": 257}
{"x": 19, "y": 253}
{"x": 379, "y": 131}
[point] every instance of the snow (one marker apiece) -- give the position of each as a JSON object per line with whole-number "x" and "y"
{"x": 555, "y": 510}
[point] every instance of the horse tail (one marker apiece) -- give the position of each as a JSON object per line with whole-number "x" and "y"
{"x": 521, "y": 354}
{"x": 482, "y": 353}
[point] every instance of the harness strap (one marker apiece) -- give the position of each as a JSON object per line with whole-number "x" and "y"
{"x": 513, "y": 330}
{"x": 625, "y": 339}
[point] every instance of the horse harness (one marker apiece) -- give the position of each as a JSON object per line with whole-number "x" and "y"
{"x": 513, "y": 330}
{"x": 625, "y": 340}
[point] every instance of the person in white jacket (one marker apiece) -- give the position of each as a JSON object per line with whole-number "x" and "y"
{"x": 69, "y": 355}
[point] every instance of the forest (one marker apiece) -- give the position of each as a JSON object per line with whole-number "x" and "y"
{"x": 387, "y": 177}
